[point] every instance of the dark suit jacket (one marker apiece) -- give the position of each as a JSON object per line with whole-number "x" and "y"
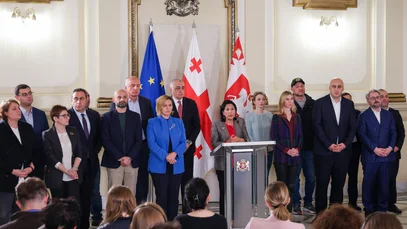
{"x": 327, "y": 131}
{"x": 146, "y": 109}
{"x": 373, "y": 134}
{"x": 40, "y": 124}
{"x": 190, "y": 118}
{"x": 401, "y": 133}
{"x": 13, "y": 154}
{"x": 91, "y": 145}
{"x": 112, "y": 138}
{"x": 53, "y": 153}
{"x": 26, "y": 220}
{"x": 220, "y": 134}
{"x": 306, "y": 122}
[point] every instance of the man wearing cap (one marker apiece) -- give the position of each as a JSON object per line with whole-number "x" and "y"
{"x": 305, "y": 106}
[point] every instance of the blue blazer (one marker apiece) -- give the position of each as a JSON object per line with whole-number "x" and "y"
{"x": 372, "y": 135}
{"x": 327, "y": 130}
{"x": 112, "y": 138}
{"x": 159, "y": 130}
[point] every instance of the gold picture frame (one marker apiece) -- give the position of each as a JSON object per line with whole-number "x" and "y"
{"x": 32, "y": 1}
{"x": 326, "y": 4}
{"x": 230, "y": 5}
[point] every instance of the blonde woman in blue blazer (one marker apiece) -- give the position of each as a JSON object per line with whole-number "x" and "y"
{"x": 167, "y": 143}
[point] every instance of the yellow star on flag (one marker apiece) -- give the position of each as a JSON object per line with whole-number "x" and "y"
{"x": 141, "y": 86}
{"x": 151, "y": 80}
{"x": 162, "y": 83}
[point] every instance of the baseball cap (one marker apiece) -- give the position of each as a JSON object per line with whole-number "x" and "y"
{"x": 296, "y": 80}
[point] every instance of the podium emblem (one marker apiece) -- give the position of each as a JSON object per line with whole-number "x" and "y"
{"x": 242, "y": 165}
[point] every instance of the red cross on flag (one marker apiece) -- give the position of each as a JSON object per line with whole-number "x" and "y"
{"x": 195, "y": 89}
{"x": 238, "y": 88}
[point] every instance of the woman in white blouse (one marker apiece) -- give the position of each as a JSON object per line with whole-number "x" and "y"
{"x": 63, "y": 151}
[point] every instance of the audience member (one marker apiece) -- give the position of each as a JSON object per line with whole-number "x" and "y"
{"x": 61, "y": 214}
{"x": 121, "y": 138}
{"x": 382, "y": 220}
{"x": 305, "y": 107}
{"x": 148, "y": 215}
{"x": 32, "y": 197}
{"x": 338, "y": 217}
{"x": 258, "y": 123}
{"x": 38, "y": 120}
{"x": 187, "y": 110}
{"x": 166, "y": 139}
{"x": 63, "y": 150}
{"x": 229, "y": 128}
{"x": 168, "y": 225}
{"x": 335, "y": 127}
{"x": 16, "y": 152}
{"x": 277, "y": 198}
{"x": 119, "y": 208}
{"x": 196, "y": 198}
{"x": 286, "y": 130}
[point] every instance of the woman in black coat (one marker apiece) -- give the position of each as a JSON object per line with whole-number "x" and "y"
{"x": 63, "y": 152}
{"x": 16, "y": 150}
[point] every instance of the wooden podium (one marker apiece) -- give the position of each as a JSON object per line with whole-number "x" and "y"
{"x": 245, "y": 180}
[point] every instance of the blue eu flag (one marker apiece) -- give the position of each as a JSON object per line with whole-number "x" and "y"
{"x": 152, "y": 84}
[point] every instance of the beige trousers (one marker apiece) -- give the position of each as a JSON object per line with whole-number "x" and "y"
{"x": 126, "y": 176}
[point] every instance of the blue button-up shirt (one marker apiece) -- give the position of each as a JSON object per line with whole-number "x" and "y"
{"x": 28, "y": 115}
{"x": 135, "y": 107}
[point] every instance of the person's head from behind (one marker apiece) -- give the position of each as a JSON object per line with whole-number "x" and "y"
{"x": 62, "y": 214}
{"x": 382, "y": 220}
{"x": 196, "y": 194}
{"x": 277, "y": 198}
{"x": 120, "y": 203}
{"x": 338, "y": 216}
{"x": 147, "y": 215}
{"x": 167, "y": 225}
{"x": 31, "y": 194}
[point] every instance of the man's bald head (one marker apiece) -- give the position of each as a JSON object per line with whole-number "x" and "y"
{"x": 120, "y": 98}
{"x": 336, "y": 88}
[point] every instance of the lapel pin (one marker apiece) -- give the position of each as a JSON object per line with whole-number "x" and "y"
{"x": 71, "y": 133}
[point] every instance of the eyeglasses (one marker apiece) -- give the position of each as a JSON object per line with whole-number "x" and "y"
{"x": 375, "y": 98}
{"x": 27, "y": 94}
{"x": 76, "y": 99}
{"x": 65, "y": 115}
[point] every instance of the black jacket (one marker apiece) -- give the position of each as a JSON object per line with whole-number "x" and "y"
{"x": 26, "y": 220}
{"x": 13, "y": 154}
{"x": 306, "y": 120}
{"x": 398, "y": 120}
{"x": 120, "y": 223}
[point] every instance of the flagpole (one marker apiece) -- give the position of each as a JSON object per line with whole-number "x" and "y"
{"x": 237, "y": 32}
{"x": 150, "y": 25}
{"x": 150, "y": 194}
{"x": 193, "y": 24}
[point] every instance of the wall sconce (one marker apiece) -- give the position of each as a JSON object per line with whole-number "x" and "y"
{"x": 327, "y": 21}
{"x": 30, "y": 14}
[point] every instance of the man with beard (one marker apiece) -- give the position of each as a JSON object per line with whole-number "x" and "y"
{"x": 394, "y": 167}
{"x": 377, "y": 132}
{"x": 38, "y": 120}
{"x": 305, "y": 105}
{"x": 122, "y": 138}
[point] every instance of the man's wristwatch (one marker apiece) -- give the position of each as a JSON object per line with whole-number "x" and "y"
{"x": 189, "y": 142}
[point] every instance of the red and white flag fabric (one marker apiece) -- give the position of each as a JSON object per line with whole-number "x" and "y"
{"x": 238, "y": 88}
{"x": 195, "y": 89}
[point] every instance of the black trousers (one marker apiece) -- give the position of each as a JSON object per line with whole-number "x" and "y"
{"x": 68, "y": 189}
{"x": 288, "y": 175}
{"x": 86, "y": 188}
{"x": 221, "y": 180}
{"x": 142, "y": 177}
{"x": 166, "y": 190}
{"x": 330, "y": 168}
{"x": 188, "y": 173}
{"x": 393, "y": 171}
{"x": 353, "y": 170}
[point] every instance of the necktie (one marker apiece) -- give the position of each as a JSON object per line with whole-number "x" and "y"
{"x": 180, "y": 109}
{"x": 85, "y": 126}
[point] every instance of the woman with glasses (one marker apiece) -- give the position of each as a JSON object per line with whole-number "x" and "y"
{"x": 16, "y": 150}
{"x": 63, "y": 152}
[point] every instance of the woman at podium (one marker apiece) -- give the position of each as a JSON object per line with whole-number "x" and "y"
{"x": 258, "y": 123}
{"x": 286, "y": 130}
{"x": 229, "y": 128}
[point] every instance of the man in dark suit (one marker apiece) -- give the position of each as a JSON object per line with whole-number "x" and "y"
{"x": 335, "y": 126}
{"x": 143, "y": 107}
{"x": 38, "y": 120}
{"x": 377, "y": 132}
{"x": 122, "y": 139}
{"x": 187, "y": 110}
{"x": 87, "y": 122}
{"x": 354, "y": 165}
{"x": 394, "y": 166}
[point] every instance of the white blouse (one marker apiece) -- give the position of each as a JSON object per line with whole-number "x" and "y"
{"x": 66, "y": 154}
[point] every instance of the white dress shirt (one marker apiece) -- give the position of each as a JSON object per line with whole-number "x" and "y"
{"x": 176, "y": 103}
{"x": 66, "y": 154}
{"x": 16, "y": 133}
{"x": 377, "y": 114}
{"x": 79, "y": 114}
{"x": 337, "y": 108}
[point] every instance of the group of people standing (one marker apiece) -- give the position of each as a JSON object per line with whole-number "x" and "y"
{"x": 324, "y": 138}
